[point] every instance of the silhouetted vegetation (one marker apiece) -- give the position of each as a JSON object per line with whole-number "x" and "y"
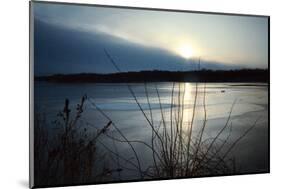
{"x": 243, "y": 75}
{"x": 69, "y": 155}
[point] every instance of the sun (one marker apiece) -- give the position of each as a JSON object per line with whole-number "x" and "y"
{"x": 185, "y": 51}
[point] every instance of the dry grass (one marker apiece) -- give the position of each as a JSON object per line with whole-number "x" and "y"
{"x": 175, "y": 150}
{"x": 70, "y": 156}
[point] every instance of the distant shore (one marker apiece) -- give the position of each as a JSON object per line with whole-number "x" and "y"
{"x": 243, "y": 75}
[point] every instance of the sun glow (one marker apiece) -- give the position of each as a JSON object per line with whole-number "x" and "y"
{"x": 185, "y": 51}
{"x": 188, "y": 103}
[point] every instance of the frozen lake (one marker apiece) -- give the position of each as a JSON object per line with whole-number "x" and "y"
{"x": 249, "y": 102}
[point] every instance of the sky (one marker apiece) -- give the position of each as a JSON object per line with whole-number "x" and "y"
{"x": 71, "y": 38}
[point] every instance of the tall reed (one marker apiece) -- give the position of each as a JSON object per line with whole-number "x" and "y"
{"x": 67, "y": 153}
{"x": 176, "y": 149}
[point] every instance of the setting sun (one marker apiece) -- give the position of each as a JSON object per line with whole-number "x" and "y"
{"x": 185, "y": 51}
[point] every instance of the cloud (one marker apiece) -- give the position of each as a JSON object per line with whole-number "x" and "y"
{"x": 60, "y": 49}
